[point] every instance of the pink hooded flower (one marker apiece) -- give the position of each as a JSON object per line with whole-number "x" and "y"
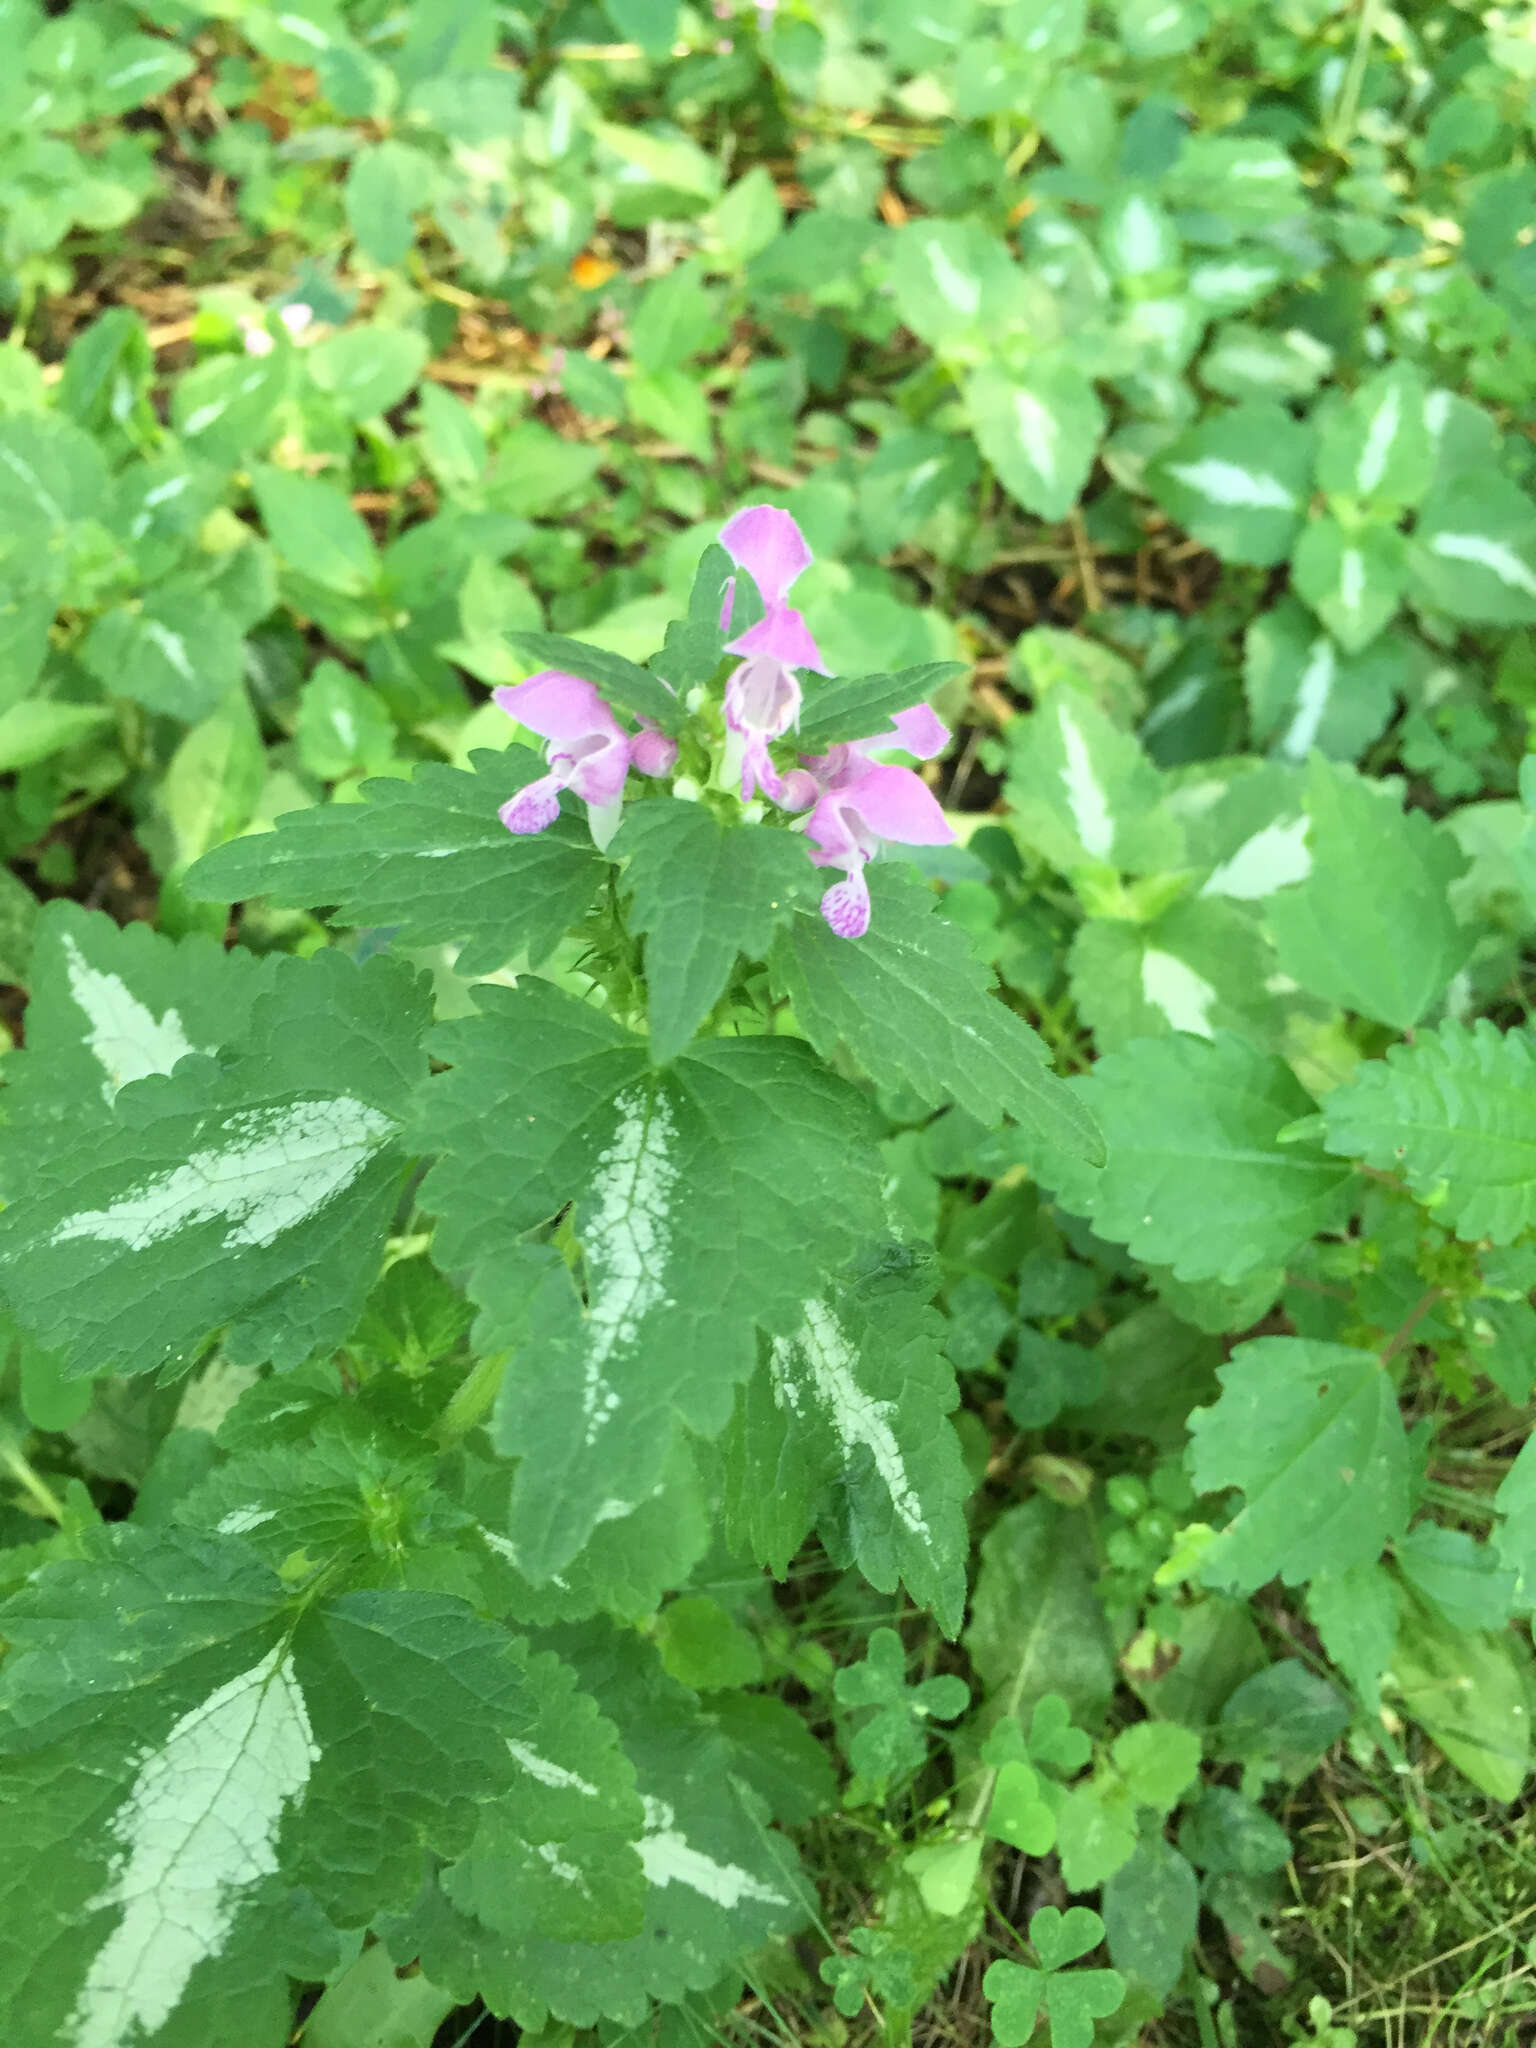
{"x": 859, "y": 802}
{"x": 851, "y": 821}
{"x": 762, "y": 693}
{"x": 588, "y": 752}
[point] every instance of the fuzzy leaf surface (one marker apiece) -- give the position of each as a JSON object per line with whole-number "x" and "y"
{"x": 429, "y": 855}
{"x": 720, "y": 1193}
{"x": 198, "y": 1776}
{"x": 1197, "y": 1178}
{"x": 850, "y": 1417}
{"x": 1455, "y": 1114}
{"x": 251, "y": 1196}
{"x": 719, "y": 1882}
{"x": 911, "y": 1004}
{"x": 1371, "y": 926}
{"x": 1312, "y": 1434}
{"x": 703, "y": 893}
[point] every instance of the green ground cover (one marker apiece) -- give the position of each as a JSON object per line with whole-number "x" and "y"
{"x": 1153, "y": 385}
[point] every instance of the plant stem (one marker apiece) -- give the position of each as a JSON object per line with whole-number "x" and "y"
{"x": 1204, "y": 2025}
{"x": 32, "y": 1481}
{"x": 1341, "y": 122}
{"x": 474, "y": 1399}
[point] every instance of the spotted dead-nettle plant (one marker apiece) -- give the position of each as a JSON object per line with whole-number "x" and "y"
{"x": 534, "y": 1233}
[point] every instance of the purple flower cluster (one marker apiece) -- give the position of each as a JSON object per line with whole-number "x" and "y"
{"x": 856, "y": 802}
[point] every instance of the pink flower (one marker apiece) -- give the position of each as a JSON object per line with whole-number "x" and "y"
{"x": 919, "y": 730}
{"x": 858, "y": 802}
{"x": 762, "y": 693}
{"x": 851, "y": 821}
{"x": 588, "y": 752}
{"x": 651, "y": 751}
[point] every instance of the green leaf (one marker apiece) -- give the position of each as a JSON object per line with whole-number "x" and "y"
{"x": 1201, "y": 967}
{"x": 851, "y": 1414}
{"x": 1040, "y": 430}
{"x": 1355, "y": 1614}
{"x": 177, "y": 652}
{"x": 343, "y": 724}
{"x": 1246, "y": 361}
{"x": 664, "y": 174}
{"x": 945, "y": 1874}
{"x": 373, "y": 2002}
{"x": 1515, "y": 1536}
{"x": 1137, "y": 239}
{"x": 1313, "y": 1436}
{"x": 1371, "y": 926}
{"x": 1474, "y": 550}
{"x": 910, "y": 1003}
{"x": 19, "y": 912}
{"x": 954, "y": 282}
{"x": 694, "y": 645}
{"x": 1018, "y": 1815}
{"x": 1197, "y": 1177}
{"x": 673, "y": 404}
{"x": 704, "y": 893}
{"x": 1304, "y": 692}
{"x": 1083, "y": 792}
{"x": 1238, "y": 482}
{"x": 316, "y": 531}
{"x": 1353, "y": 578}
{"x": 198, "y": 1776}
{"x": 1151, "y": 1915}
{"x": 429, "y": 855}
{"x": 625, "y": 685}
{"x": 368, "y": 370}
{"x": 891, "y": 1742}
{"x": 1455, "y": 1114}
{"x": 51, "y": 476}
{"x": 1470, "y": 1693}
{"x": 676, "y": 320}
{"x": 38, "y": 729}
{"x": 226, "y": 408}
{"x": 626, "y": 1565}
{"x": 111, "y": 1004}
{"x": 386, "y": 186}
{"x": 703, "y": 1648}
{"x": 1072, "y": 1999}
{"x": 1377, "y": 446}
{"x": 1280, "y": 1722}
{"x": 862, "y": 707}
{"x": 719, "y": 1883}
{"x": 214, "y": 779}
{"x": 1158, "y": 1761}
{"x": 723, "y": 1191}
{"x": 1036, "y": 1624}
{"x": 1457, "y": 1575}
{"x": 1221, "y": 1831}
{"x": 651, "y": 23}
{"x": 136, "y": 69}
{"x": 251, "y": 1195}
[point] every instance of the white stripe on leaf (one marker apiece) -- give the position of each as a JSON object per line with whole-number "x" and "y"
{"x": 1091, "y": 819}
{"x": 857, "y": 1418}
{"x": 127, "y": 1040}
{"x": 199, "y": 1827}
{"x": 627, "y": 1243}
{"x": 276, "y": 1169}
{"x": 667, "y": 1857}
{"x": 1496, "y": 556}
{"x": 1228, "y": 484}
{"x": 1183, "y": 997}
